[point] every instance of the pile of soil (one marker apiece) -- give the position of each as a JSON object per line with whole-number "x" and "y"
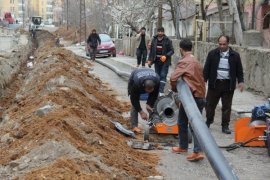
{"x": 70, "y": 34}
{"x": 56, "y": 123}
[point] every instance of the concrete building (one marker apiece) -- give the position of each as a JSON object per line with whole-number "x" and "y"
{"x": 43, "y": 8}
{"x": 57, "y": 12}
{"x": 11, "y": 6}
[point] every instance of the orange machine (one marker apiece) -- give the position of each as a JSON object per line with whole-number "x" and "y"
{"x": 247, "y": 130}
{"x": 163, "y": 120}
{"x": 254, "y": 130}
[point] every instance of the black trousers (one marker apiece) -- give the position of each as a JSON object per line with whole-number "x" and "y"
{"x": 141, "y": 56}
{"x": 221, "y": 91}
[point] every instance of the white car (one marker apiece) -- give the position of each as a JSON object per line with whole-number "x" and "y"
{"x": 36, "y": 23}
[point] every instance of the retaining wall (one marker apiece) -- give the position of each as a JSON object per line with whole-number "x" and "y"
{"x": 256, "y": 61}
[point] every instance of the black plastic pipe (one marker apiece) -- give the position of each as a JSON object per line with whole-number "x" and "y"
{"x": 217, "y": 160}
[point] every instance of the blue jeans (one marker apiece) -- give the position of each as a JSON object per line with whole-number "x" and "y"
{"x": 183, "y": 127}
{"x": 134, "y": 117}
{"x": 162, "y": 70}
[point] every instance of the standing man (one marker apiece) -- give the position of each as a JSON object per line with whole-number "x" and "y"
{"x": 160, "y": 54}
{"x": 191, "y": 71}
{"x": 222, "y": 70}
{"x": 142, "y": 81}
{"x": 93, "y": 41}
{"x": 142, "y": 41}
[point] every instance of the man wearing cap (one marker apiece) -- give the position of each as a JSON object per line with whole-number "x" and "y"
{"x": 142, "y": 81}
{"x": 142, "y": 41}
{"x": 160, "y": 55}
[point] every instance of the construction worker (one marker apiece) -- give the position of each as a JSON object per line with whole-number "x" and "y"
{"x": 142, "y": 81}
{"x": 160, "y": 55}
{"x": 191, "y": 71}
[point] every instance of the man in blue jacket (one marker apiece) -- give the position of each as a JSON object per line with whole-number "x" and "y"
{"x": 160, "y": 54}
{"x": 142, "y": 81}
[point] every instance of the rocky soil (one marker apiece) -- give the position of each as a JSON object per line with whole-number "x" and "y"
{"x": 56, "y": 122}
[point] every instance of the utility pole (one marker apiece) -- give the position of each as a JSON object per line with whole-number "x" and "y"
{"x": 159, "y": 23}
{"x": 177, "y": 17}
{"x": 253, "y": 15}
{"x": 23, "y": 11}
{"x": 67, "y": 14}
{"x": 82, "y": 21}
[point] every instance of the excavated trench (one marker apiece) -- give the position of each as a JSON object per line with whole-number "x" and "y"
{"x": 56, "y": 122}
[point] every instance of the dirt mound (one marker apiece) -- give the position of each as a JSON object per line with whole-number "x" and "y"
{"x": 72, "y": 34}
{"x": 57, "y": 125}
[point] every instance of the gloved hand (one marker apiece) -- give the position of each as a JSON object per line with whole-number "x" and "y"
{"x": 163, "y": 58}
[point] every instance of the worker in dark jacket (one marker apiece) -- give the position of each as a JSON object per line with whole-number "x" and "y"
{"x": 142, "y": 81}
{"x": 160, "y": 54}
{"x": 222, "y": 70}
{"x": 93, "y": 41}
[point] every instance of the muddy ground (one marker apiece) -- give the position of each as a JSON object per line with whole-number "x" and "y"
{"x": 56, "y": 122}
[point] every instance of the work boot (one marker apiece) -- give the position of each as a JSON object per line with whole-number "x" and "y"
{"x": 178, "y": 150}
{"x": 226, "y": 130}
{"x": 208, "y": 123}
{"x": 195, "y": 157}
{"x": 136, "y": 130}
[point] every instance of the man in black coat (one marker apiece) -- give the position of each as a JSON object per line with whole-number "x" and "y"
{"x": 160, "y": 54}
{"x": 142, "y": 81}
{"x": 93, "y": 41}
{"x": 222, "y": 70}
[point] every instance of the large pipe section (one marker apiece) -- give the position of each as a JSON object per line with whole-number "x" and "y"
{"x": 217, "y": 160}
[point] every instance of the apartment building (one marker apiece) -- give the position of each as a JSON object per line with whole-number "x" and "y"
{"x": 11, "y": 6}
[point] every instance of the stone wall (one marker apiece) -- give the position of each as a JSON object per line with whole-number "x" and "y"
{"x": 256, "y": 62}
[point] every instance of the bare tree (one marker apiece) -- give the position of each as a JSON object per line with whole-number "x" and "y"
{"x": 238, "y": 32}
{"x": 132, "y": 13}
{"x": 240, "y": 8}
{"x": 160, "y": 13}
{"x": 220, "y": 13}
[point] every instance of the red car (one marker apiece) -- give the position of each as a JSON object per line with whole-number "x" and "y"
{"x": 106, "y": 48}
{"x": 8, "y": 17}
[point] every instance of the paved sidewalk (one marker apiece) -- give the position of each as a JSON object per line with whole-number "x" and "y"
{"x": 244, "y": 101}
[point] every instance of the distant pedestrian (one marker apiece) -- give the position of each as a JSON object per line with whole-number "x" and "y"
{"x": 160, "y": 55}
{"x": 191, "y": 71}
{"x": 222, "y": 70}
{"x": 93, "y": 41}
{"x": 142, "y": 41}
{"x": 142, "y": 81}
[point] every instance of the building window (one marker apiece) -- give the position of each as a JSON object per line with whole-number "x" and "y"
{"x": 266, "y": 21}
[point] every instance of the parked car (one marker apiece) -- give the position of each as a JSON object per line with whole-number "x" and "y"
{"x": 106, "y": 48}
